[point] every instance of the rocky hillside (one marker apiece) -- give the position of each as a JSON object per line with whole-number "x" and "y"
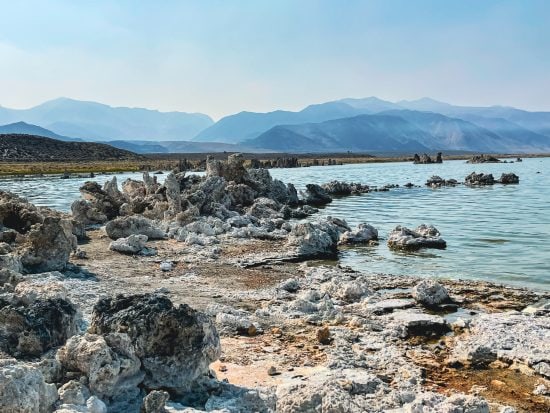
{"x": 30, "y": 148}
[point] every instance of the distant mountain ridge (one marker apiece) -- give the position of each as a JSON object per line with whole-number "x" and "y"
{"x": 445, "y": 127}
{"x": 368, "y": 124}
{"x": 96, "y": 121}
{"x": 23, "y": 128}
{"x": 359, "y": 133}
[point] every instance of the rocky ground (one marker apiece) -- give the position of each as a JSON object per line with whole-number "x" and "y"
{"x": 210, "y": 294}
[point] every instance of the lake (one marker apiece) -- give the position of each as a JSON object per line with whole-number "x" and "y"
{"x": 497, "y": 233}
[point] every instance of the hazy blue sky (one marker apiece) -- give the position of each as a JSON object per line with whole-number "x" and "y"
{"x": 221, "y": 57}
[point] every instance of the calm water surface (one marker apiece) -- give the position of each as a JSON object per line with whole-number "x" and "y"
{"x": 499, "y": 233}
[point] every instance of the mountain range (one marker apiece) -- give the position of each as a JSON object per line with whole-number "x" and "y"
{"x": 93, "y": 121}
{"x": 351, "y": 124}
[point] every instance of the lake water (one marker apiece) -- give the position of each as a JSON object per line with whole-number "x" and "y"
{"x": 499, "y": 233}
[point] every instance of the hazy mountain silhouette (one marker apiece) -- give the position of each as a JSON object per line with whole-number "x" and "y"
{"x": 423, "y": 123}
{"x": 248, "y": 125}
{"x": 96, "y": 121}
{"x": 28, "y": 129}
{"x": 359, "y": 133}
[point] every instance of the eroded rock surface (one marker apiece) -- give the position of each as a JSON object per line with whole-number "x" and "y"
{"x": 423, "y": 237}
{"x": 174, "y": 344}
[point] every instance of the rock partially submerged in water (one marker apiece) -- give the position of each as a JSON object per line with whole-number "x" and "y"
{"x": 337, "y": 188}
{"x": 509, "y": 178}
{"x": 362, "y": 234}
{"x": 174, "y": 344}
{"x": 318, "y": 239}
{"x": 483, "y": 159}
{"x": 479, "y": 179}
{"x": 436, "y": 182}
{"x": 402, "y": 238}
{"x": 316, "y": 196}
{"x": 426, "y": 159}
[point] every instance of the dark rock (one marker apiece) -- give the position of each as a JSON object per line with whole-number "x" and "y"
{"x": 509, "y": 178}
{"x": 316, "y": 196}
{"x": 479, "y": 179}
{"x": 338, "y": 188}
{"x": 154, "y": 402}
{"x": 175, "y": 344}
{"x": 29, "y": 329}
{"x": 101, "y": 200}
{"x": 483, "y": 159}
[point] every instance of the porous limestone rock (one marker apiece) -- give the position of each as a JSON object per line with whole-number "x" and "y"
{"x": 109, "y": 364}
{"x": 48, "y": 245}
{"x": 434, "y": 402}
{"x": 148, "y": 320}
{"x": 316, "y": 195}
{"x": 84, "y": 212}
{"x": 423, "y": 237}
{"x": 134, "y": 244}
{"x": 23, "y": 389}
{"x": 430, "y": 293}
{"x": 73, "y": 392}
{"x": 265, "y": 208}
{"x": 408, "y": 323}
{"x": 100, "y": 200}
{"x": 501, "y": 336}
{"x": 338, "y": 188}
{"x": 363, "y": 233}
{"x": 314, "y": 239}
{"x": 155, "y": 401}
{"x": 123, "y": 227}
{"x": 35, "y": 321}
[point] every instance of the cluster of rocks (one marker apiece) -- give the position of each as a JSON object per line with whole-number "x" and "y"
{"x": 475, "y": 179}
{"x": 426, "y": 159}
{"x": 135, "y": 347}
{"x": 275, "y": 163}
{"x": 436, "y": 182}
{"x": 337, "y": 188}
{"x": 483, "y": 159}
{"x": 365, "y": 333}
{"x": 229, "y": 202}
{"x": 34, "y": 239}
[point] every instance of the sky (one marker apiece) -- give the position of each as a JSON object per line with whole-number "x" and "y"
{"x": 223, "y": 57}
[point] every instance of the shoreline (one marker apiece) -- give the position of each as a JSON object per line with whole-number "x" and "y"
{"x": 167, "y": 162}
{"x": 223, "y": 265}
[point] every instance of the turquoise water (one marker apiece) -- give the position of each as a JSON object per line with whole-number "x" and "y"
{"x": 499, "y": 233}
